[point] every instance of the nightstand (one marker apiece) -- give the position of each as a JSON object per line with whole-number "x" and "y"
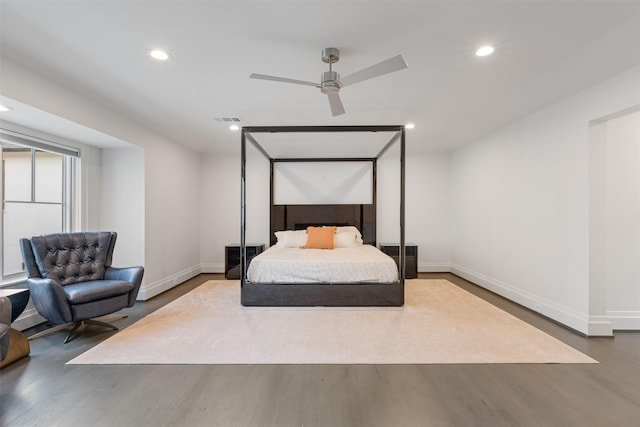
{"x": 232, "y": 258}
{"x": 411, "y": 257}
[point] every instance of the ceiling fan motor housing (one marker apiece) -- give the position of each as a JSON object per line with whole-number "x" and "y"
{"x": 330, "y": 55}
{"x": 330, "y": 82}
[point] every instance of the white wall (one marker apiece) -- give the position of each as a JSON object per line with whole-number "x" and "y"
{"x": 172, "y": 216}
{"x": 428, "y": 208}
{"x": 220, "y": 195}
{"x": 171, "y": 178}
{"x": 220, "y": 206}
{"x": 388, "y": 198}
{"x": 88, "y": 210}
{"x": 623, "y": 221}
{"x": 427, "y": 204}
{"x": 520, "y": 203}
{"x": 123, "y": 192}
{"x": 615, "y": 224}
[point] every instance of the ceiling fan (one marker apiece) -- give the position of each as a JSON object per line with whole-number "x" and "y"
{"x": 330, "y": 81}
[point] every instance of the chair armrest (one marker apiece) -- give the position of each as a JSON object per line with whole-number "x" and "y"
{"x": 127, "y": 274}
{"x": 5, "y": 338}
{"x": 5, "y": 330}
{"x": 5, "y": 310}
{"x": 50, "y": 300}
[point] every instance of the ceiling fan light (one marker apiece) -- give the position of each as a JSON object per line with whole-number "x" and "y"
{"x": 329, "y": 88}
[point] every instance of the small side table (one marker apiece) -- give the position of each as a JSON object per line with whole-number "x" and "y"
{"x": 232, "y": 258}
{"x": 411, "y": 257}
{"x": 18, "y": 344}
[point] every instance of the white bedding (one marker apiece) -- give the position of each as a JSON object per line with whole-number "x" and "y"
{"x": 364, "y": 263}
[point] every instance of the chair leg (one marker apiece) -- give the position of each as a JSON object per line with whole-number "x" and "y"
{"x": 95, "y": 323}
{"x": 99, "y": 323}
{"x": 49, "y": 331}
{"x": 112, "y": 317}
{"x": 76, "y": 325}
{"x": 73, "y": 330}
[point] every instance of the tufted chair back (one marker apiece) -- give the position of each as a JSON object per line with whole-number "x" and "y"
{"x": 71, "y": 257}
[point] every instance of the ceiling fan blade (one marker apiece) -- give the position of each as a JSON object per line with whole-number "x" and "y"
{"x": 283, "y": 80}
{"x": 385, "y": 67}
{"x": 336, "y": 104}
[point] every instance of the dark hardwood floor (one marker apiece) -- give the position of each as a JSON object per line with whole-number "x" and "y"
{"x": 41, "y": 391}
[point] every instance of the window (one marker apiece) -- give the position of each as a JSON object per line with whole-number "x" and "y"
{"x": 36, "y": 195}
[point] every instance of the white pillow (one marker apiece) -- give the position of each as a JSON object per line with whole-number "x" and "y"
{"x": 345, "y": 239}
{"x": 351, "y": 228}
{"x": 291, "y": 238}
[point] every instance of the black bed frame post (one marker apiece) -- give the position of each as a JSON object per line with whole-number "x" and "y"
{"x": 272, "y": 208}
{"x": 374, "y": 199}
{"x": 243, "y": 210}
{"x": 402, "y": 200}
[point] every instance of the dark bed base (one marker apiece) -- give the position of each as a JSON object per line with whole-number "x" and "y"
{"x": 328, "y": 295}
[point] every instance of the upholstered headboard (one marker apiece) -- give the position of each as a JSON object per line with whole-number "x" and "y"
{"x": 304, "y": 225}
{"x": 292, "y": 217}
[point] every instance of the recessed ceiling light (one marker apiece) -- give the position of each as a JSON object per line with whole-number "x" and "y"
{"x": 484, "y": 51}
{"x": 4, "y": 108}
{"x": 234, "y": 127}
{"x": 160, "y": 55}
{"x": 409, "y": 126}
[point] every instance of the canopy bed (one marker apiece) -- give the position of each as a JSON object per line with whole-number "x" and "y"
{"x": 351, "y": 271}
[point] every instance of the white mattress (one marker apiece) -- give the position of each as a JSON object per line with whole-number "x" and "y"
{"x": 342, "y": 265}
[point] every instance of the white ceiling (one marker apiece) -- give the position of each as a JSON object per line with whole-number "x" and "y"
{"x": 544, "y": 51}
{"x": 27, "y": 118}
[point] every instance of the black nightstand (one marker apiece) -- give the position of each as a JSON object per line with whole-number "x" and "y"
{"x": 411, "y": 257}
{"x": 232, "y": 258}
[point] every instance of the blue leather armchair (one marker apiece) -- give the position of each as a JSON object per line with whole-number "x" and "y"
{"x": 71, "y": 279}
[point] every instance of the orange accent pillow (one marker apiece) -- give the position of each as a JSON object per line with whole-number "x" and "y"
{"x": 320, "y": 237}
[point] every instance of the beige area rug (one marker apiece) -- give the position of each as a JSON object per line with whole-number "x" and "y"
{"x": 440, "y": 323}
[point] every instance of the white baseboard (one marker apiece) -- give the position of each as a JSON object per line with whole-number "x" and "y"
{"x": 557, "y": 312}
{"x": 212, "y": 267}
{"x": 28, "y": 319}
{"x": 150, "y": 290}
{"x": 624, "y": 320}
{"x": 600, "y": 326}
{"x": 433, "y": 267}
